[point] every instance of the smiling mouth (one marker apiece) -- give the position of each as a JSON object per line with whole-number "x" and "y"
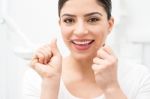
{"x": 82, "y": 42}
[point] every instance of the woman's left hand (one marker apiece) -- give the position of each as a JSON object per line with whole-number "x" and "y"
{"x": 105, "y": 68}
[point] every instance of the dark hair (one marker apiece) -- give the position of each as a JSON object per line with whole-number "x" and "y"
{"x": 105, "y": 3}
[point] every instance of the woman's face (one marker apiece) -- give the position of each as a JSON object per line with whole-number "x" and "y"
{"x": 84, "y": 26}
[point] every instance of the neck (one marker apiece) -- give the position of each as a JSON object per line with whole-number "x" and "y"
{"x": 78, "y": 70}
{"x": 81, "y": 67}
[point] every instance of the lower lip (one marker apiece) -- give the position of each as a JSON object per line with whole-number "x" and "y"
{"x": 82, "y": 47}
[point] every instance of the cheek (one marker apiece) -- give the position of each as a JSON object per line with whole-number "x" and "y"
{"x": 66, "y": 33}
{"x": 100, "y": 32}
{"x": 100, "y": 36}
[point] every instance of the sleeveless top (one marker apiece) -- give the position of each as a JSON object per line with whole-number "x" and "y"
{"x": 134, "y": 80}
{"x": 65, "y": 94}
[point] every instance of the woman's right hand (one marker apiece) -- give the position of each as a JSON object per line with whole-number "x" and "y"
{"x": 47, "y": 61}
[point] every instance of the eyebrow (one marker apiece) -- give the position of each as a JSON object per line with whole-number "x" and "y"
{"x": 68, "y": 15}
{"x": 93, "y": 13}
{"x": 88, "y": 14}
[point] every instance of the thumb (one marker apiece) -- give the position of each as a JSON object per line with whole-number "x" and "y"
{"x": 54, "y": 47}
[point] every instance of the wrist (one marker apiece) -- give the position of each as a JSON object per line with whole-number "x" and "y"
{"x": 112, "y": 87}
{"x": 49, "y": 77}
{"x": 50, "y": 88}
{"x": 54, "y": 81}
{"x": 114, "y": 92}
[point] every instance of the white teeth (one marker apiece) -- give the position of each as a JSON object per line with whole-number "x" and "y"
{"x": 82, "y": 42}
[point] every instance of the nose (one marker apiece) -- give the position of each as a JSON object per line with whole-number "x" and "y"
{"x": 80, "y": 29}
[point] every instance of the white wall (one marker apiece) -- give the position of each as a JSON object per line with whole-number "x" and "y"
{"x": 133, "y": 31}
{"x": 2, "y": 66}
{"x": 11, "y": 68}
{"x": 38, "y": 20}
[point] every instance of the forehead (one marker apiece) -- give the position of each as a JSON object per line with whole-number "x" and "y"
{"x": 81, "y": 7}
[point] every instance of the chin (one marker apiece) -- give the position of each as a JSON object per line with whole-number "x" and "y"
{"x": 84, "y": 56}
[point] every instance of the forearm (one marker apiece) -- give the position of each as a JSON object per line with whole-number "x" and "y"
{"x": 50, "y": 89}
{"x": 115, "y": 93}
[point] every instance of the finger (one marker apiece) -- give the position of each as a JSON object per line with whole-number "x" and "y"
{"x": 112, "y": 56}
{"x": 40, "y": 57}
{"x": 47, "y": 54}
{"x": 33, "y": 62}
{"x": 98, "y": 68}
{"x": 54, "y": 47}
{"x": 95, "y": 66}
{"x": 44, "y": 54}
{"x": 41, "y": 69}
{"x": 108, "y": 50}
{"x": 101, "y": 53}
{"x": 98, "y": 61}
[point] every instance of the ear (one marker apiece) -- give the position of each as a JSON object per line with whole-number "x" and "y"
{"x": 110, "y": 24}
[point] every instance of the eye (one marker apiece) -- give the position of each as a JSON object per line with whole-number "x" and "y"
{"x": 69, "y": 21}
{"x": 93, "y": 20}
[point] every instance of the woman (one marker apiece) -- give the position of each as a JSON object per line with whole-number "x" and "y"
{"x": 90, "y": 71}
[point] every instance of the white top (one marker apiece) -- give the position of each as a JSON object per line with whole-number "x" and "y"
{"x": 134, "y": 80}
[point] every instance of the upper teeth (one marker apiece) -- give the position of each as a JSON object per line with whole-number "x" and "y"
{"x": 82, "y": 42}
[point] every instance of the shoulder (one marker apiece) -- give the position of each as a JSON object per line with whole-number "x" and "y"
{"x": 32, "y": 86}
{"x": 132, "y": 69}
{"x": 134, "y": 78}
{"x": 31, "y": 76}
